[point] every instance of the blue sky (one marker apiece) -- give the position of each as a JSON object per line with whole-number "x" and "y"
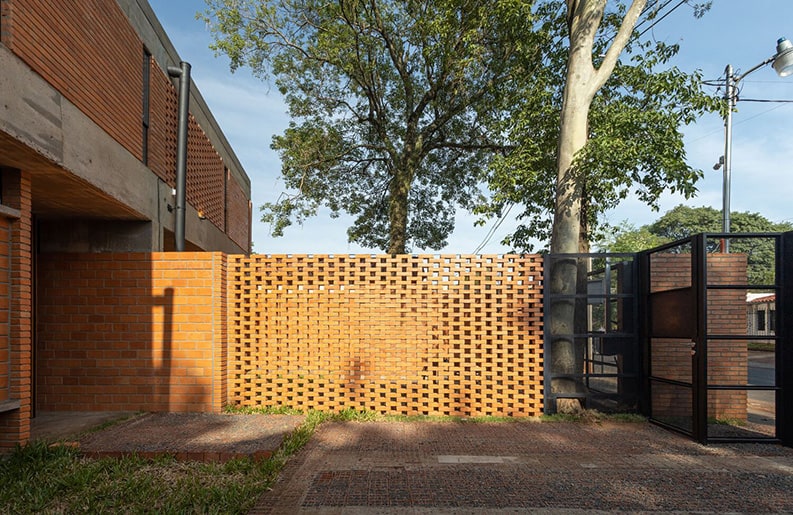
{"x": 737, "y": 32}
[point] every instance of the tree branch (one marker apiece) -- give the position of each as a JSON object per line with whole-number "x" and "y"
{"x": 618, "y": 44}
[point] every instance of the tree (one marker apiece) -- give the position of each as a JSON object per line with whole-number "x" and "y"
{"x": 683, "y": 221}
{"x": 627, "y": 238}
{"x": 617, "y": 133}
{"x": 387, "y": 101}
{"x": 634, "y": 143}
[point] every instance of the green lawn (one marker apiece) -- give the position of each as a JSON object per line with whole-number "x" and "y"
{"x": 46, "y": 479}
{"x": 58, "y": 479}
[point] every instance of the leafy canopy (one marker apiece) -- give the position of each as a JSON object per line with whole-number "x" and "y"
{"x": 635, "y": 144}
{"x": 388, "y": 101}
{"x": 684, "y": 221}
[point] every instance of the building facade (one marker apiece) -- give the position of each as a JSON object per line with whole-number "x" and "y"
{"x": 88, "y": 157}
{"x": 761, "y": 315}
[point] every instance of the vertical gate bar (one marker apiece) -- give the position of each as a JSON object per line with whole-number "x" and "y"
{"x": 642, "y": 261}
{"x": 699, "y": 371}
{"x": 784, "y": 351}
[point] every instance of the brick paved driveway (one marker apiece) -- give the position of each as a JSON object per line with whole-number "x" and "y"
{"x": 526, "y": 467}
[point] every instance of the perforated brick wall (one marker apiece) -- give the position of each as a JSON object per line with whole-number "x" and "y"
{"x": 163, "y": 107}
{"x": 238, "y": 215}
{"x": 410, "y": 335}
{"x": 220, "y": 199}
{"x": 205, "y": 172}
{"x": 399, "y": 335}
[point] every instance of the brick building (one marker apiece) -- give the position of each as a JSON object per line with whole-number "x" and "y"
{"x": 88, "y": 156}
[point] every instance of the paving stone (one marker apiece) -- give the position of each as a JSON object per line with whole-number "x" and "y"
{"x": 551, "y": 468}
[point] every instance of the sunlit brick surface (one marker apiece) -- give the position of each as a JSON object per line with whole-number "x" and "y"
{"x": 394, "y": 334}
{"x": 131, "y": 332}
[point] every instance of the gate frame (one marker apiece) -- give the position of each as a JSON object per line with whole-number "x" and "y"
{"x": 784, "y": 358}
{"x": 783, "y": 288}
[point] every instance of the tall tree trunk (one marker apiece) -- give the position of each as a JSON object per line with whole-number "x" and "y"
{"x": 399, "y": 190}
{"x": 566, "y": 351}
{"x": 582, "y": 82}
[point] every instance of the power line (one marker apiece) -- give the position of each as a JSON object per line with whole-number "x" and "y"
{"x": 493, "y": 230}
{"x": 766, "y": 101}
{"x": 656, "y": 22}
{"x": 646, "y": 19}
{"x": 739, "y": 122}
{"x": 648, "y": 8}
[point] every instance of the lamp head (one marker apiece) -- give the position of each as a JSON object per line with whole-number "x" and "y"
{"x": 783, "y": 60}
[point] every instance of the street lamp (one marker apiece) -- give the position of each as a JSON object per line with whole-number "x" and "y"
{"x": 783, "y": 64}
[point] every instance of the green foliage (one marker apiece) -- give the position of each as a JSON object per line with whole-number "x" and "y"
{"x": 761, "y": 346}
{"x": 387, "y": 101}
{"x": 57, "y": 479}
{"x": 592, "y": 416}
{"x": 635, "y": 145}
{"x": 261, "y": 410}
{"x": 684, "y": 221}
{"x": 627, "y": 238}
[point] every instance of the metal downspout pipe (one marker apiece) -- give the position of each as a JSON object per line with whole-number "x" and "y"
{"x": 183, "y": 72}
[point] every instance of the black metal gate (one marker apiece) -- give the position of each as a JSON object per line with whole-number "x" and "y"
{"x": 716, "y": 332}
{"x": 696, "y": 338}
{"x": 607, "y": 372}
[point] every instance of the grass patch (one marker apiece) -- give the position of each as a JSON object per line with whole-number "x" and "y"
{"x": 591, "y": 416}
{"x": 38, "y": 478}
{"x": 736, "y": 422}
{"x": 763, "y": 346}
{"x": 351, "y": 415}
{"x": 58, "y": 479}
{"x": 261, "y": 410}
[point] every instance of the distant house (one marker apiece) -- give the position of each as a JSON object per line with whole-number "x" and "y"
{"x": 761, "y": 314}
{"x": 89, "y": 133}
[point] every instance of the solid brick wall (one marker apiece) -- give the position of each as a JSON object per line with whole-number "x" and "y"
{"x": 727, "y": 359}
{"x": 131, "y": 332}
{"x": 411, "y": 335}
{"x": 15, "y": 424}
